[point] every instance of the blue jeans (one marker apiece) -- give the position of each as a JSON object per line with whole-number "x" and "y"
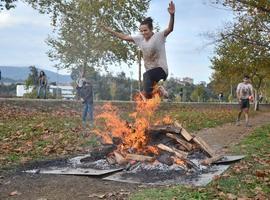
{"x": 42, "y": 87}
{"x": 88, "y": 108}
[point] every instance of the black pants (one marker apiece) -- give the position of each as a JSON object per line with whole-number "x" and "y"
{"x": 151, "y": 77}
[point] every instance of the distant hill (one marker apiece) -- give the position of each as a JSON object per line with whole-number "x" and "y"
{"x": 20, "y": 74}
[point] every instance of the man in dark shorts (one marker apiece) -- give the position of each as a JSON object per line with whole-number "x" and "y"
{"x": 244, "y": 94}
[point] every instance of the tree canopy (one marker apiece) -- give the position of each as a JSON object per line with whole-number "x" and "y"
{"x": 80, "y": 40}
{"x": 7, "y": 4}
{"x": 243, "y": 47}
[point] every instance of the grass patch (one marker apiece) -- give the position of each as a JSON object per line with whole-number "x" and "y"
{"x": 171, "y": 193}
{"x": 91, "y": 142}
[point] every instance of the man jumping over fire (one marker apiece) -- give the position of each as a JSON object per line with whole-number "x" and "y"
{"x": 152, "y": 46}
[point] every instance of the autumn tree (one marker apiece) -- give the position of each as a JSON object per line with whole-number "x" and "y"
{"x": 80, "y": 41}
{"x": 32, "y": 79}
{"x": 199, "y": 94}
{"x": 7, "y": 4}
{"x": 255, "y": 12}
{"x": 236, "y": 56}
{"x": 250, "y": 6}
{"x": 243, "y": 47}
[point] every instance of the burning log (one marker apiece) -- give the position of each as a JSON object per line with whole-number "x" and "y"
{"x": 141, "y": 158}
{"x": 119, "y": 158}
{"x": 185, "y": 144}
{"x": 178, "y": 153}
{"x": 181, "y": 162}
{"x": 204, "y": 146}
{"x": 183, "y": 132}
{"x": 209, "y": 161}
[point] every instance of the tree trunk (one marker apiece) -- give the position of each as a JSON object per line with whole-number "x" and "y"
{"x": 256, "y": 100}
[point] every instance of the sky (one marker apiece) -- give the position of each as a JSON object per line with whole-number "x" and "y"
{"x": 23, "y": 32}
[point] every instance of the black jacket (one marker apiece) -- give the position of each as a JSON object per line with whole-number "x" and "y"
{"x": 86, "y": 93}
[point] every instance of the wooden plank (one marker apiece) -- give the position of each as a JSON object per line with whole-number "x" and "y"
{"x": 183, "y": 131}
{"x": 178, "y": 153}
{"x": 164, "y": 129}
{"x": 139, "y": 157}
{"x": 185, "y": 144}
{"x": 204, "y": 146}
{"x": 119, "y": 158}
{"x": 209, "y": 161}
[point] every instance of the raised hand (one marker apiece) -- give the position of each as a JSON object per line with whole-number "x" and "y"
{"x": 171, "y": 8}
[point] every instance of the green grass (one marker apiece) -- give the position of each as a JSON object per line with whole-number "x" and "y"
{"x": 249, "y": 178}
{"x": 13, "y": 157}
{"x": 171, "y": 193}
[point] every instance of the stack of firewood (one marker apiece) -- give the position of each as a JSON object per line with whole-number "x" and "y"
{"x": 185, "y": 141}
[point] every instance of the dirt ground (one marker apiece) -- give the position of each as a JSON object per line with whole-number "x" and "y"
{"x": 22, "y": 186}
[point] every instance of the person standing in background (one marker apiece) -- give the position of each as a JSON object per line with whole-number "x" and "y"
{"x": 86, "y": 93}
{"x": 244, "y": 94}
{"x": 42, "y": 81}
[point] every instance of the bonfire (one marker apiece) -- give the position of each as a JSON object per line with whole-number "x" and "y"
{"x": 133, "y": 138}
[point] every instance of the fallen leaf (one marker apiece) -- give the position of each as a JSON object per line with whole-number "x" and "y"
{"x": 260, "y": 173}
{"x": 14, "y": 193}
{"x": 100, "y": 196}
{"x": 221, "y": 194}
{"x": 231, "y": 196}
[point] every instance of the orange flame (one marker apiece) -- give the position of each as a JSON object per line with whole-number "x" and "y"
{"x": 134, "y": 136}
{"x": 167, "y": 120}
{"x": 178, "y": 161}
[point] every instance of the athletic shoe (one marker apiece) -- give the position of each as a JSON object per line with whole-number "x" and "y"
{"x": 163, "y": 92}
{"x": 142, "y": 96}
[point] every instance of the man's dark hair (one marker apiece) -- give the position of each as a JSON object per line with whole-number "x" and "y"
{"x": 246, "y": 77}
{"x": 149, "y": 22}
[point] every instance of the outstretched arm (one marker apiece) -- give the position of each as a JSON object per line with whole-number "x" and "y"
{"x": 171, "y": 11}
{"x": 117, "y": 34}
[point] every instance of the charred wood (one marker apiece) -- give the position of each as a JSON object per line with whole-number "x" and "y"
{"x": 185, "y": 144}
{"x": 204, "y": 146}
{"x": 166, "y": 159}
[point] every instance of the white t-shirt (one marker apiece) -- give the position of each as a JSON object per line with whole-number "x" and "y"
{"x": 245, "y": 90}
{"x": 154, "y": 54}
